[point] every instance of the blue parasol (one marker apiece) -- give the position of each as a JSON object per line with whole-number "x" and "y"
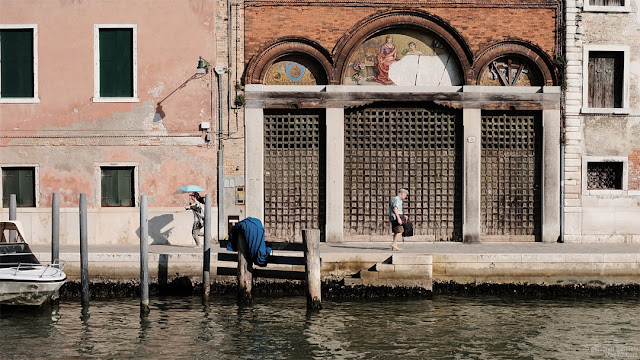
{"x": 188, "y": 189}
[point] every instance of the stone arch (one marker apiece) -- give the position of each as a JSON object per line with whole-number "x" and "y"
{"x": 384, "y": 22}
{"x": 525, "y": 53}
{"x": 284, "y": 48}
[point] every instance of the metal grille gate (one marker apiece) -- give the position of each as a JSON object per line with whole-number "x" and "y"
{"x": 511, "y": 175}
{"x": 415, "y": 148}
{"x": 293, "y": 174}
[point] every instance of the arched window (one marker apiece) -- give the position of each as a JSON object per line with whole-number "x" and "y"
{"x": 403, "y": 57}
{"x": 295, "y": 69}
{"x": 510, "y": 70}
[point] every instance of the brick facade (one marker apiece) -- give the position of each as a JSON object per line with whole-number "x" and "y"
{"x": 479, "y": 27}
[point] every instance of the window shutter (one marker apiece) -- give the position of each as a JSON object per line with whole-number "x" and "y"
{"x": 16, "y": 56}
{"x": 124, "y": 41}
{"x": 605, "y": 79}
{"x": 125, "y": 187}
{"x": 116, "y": 62}
{"x": 19, "y": 181}
{"x": 9, "y": 185}
{"x": 27, "y": 187}
{"x": 108, "y": 191}
{"x": 117, "y": 187}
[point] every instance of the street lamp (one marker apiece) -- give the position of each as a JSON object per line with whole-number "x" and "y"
{"x": 203, "y": 67}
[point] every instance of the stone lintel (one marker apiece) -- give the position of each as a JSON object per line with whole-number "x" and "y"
{"x": 506, "y": 99}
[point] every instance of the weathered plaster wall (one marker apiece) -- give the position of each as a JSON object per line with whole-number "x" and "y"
{"x": 68, "y": 136}
{"x": 601, "y": 216}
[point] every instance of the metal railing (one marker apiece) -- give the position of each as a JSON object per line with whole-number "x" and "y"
{"x": 59, "y": 264}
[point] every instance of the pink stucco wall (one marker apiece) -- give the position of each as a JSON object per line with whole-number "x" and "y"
{"x": 67, "y": 136}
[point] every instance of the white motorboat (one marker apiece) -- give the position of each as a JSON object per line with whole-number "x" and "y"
{"x": 23, "y": 279}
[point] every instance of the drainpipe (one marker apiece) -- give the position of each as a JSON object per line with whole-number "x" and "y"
{"x": 220, "y": 70}
{"x": 561, "y": 238}
{"x": 562, "y": 116}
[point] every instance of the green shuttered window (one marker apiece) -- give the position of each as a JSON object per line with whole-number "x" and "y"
{"x": 19, "y": 181}
{"x": 16, "y": 63}
{"x": 116, "y": 62}
{"x": 117, "y": 187}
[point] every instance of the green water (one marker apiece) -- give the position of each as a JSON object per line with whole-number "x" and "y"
{"x": 280, "y": 328}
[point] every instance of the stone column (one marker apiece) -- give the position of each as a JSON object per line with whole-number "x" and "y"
{"x": 335, "y": 175}
{"x": 471, "y": 120}
{"x": 551, "y": 176}
{"x": 254, "y": 162}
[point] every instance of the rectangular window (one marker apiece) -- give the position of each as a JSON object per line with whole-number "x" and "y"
{"x": 606, "y": 79}
{"x": 18, "y": 70}
{"x": 116, "y": 63}
{"x": 21, "y": 182}
{"x": 117, "y": 186}
{"x": 604, "y": 175}
{"x": 607, "y": 5}
{"x": 606, "y": 2}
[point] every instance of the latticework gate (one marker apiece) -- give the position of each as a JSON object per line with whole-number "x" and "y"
{"x": 391, "y": 148}
{"x": 511, "y": 175}
{"x": 293, "y": 174}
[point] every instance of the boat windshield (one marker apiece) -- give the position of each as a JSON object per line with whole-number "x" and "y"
{"x": 12, "y": 254}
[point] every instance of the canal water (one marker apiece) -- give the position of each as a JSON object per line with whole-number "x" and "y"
{"x": 442, "y": 327}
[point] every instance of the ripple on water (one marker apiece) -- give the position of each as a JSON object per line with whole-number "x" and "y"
{"x": 280, "y": 327}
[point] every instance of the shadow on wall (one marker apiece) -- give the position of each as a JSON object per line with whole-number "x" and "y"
{"x": 156, "y": 224}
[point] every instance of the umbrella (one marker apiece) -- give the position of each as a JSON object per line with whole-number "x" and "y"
{"x": 188, "y": 189}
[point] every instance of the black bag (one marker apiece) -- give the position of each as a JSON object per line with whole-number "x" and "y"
{"x": 408, "y": 229}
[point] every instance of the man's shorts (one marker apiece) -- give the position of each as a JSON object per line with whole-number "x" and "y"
{"x": 396, "y": 227}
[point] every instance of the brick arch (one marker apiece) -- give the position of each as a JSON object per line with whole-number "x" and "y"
{"x": 400, "y": 19}
{"x": 260, "y": 63}
{"x": 515, "y": 47}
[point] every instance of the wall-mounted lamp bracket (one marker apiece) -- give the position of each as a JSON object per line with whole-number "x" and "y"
{"x": 203, "y": 66}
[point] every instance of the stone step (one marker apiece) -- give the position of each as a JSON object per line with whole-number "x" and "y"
{"x": 391, "y": 271}
{"x": 411, "y": 259}
{"x": 352, "y": 281}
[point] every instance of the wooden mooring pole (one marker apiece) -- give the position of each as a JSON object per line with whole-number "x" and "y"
{"x": 84, "y": 253}
{"x": 206, "y": 260}
{"x": 55, "y": 237}
{"x": 311, "y": 240}
{"x": 144, "y": 256}
{"x": 245, "y": 272}
{"x": 13, "y": 215}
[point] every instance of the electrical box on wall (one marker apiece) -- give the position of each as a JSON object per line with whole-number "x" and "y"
{"x": 205, "y": 125}
{"x": 240, "y": 195}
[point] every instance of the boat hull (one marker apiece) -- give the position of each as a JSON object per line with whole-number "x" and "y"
{"x": 29, "y": 287}
{"x": 26, "y": 292}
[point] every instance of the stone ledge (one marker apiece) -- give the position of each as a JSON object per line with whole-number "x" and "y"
{"x": 404, "y": 259}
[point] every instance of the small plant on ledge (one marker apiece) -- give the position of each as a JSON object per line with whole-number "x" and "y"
{"x": 240, "y": 100}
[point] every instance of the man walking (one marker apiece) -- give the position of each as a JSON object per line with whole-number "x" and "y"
{"x": 397, "y": 218}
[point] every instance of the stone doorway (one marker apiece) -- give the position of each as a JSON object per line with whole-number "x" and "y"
{"x": 294, "y": 173}
{"x": 511, "y": 180}
{"x": 417, "y": 148}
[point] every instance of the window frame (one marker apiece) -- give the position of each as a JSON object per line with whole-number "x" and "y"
{"x": 587, "y": 49}
{"x": 98, "y": 177}
{"x": 36, "y": 182}
{"x": 96, "y": 64}
{"x": 606, "y": 8}
{"x": 25, "y": 100}
{"x": 599, "y": 159}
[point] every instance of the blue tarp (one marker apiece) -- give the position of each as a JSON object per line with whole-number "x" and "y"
{"x": 254, "y": 238}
